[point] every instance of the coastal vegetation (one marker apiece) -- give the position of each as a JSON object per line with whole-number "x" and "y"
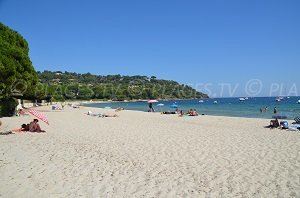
{"x": 18, "y": 79}
{"x": 17, "y": 75}
{"x": 69, "y": 85}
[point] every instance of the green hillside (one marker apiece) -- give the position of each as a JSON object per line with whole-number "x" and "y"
{"x": 70, "y": 85}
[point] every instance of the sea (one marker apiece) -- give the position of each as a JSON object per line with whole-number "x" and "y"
{"x": 233, "y": 107}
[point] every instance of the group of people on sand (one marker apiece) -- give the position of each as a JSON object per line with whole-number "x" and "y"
{"x": 31, "y": 127}
{"x": 191, "y": 112}
{"x": 102, "y": 115}
{"x": 105, "y": 115}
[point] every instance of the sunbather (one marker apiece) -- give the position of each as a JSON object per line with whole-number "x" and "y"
{"x": 35, "y": 127}
{"x": 101, "y": 114}
{"x": 24, "y": 127}
{"x": 193, "y": 112}
{"x": 168, "y": 112}
{"x": 109, "y": 115}
{"x": 93, "y": 114}
{"x": 274, "y": 123}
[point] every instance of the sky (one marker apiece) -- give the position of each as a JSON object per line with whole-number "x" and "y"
{"x": 224, "y": 48}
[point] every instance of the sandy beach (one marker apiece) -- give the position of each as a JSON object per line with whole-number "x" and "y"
{"x": 142, "y": 154}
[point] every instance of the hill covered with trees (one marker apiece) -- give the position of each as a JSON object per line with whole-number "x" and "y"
{"x": 70, "y": 85}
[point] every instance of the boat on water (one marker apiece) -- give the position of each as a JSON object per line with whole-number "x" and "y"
{"x": 201, "y": 101}
{"x": 279, "y": 99}
{"x": 242, "y": 99}
{"x": 215, "y": 102}
{"x": 298, "y": 102}
{"x": 246, "y": 98}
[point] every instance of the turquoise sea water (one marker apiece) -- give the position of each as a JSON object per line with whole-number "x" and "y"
{"x": 224, "y": 107}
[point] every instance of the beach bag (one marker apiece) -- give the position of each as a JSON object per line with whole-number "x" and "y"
{"x": 284, "y": 124}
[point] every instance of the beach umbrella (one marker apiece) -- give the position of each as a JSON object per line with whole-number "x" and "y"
{"x": 152, "y": 101}
{"x": 38, "y": 115}
{"x": 279, "y": 116}
{"x": 173, "y": 106}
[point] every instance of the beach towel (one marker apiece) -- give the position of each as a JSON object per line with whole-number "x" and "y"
{"x": 294, "y": 127}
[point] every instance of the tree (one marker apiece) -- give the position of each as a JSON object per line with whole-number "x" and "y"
{"x": 17, "y": 75}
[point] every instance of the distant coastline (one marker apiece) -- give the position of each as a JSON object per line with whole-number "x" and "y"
{"x": 231, "y": 107}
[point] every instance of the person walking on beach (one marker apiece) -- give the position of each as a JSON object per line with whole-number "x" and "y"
{"x": 275, "y": 110}
{"x": 151, "y": 107}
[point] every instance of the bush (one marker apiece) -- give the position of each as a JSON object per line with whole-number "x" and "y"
{"x": 8, "y": 107}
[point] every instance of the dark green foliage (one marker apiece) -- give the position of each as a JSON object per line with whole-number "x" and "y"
{"x": 7, "y": 106}
{"x": 17, "y": 75}
{"x": 115, "y": 87}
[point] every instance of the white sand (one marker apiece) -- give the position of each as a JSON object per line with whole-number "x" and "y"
{"x": 148, "y": 155}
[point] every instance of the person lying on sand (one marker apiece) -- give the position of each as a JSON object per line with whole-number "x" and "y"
{"x": 108, "y": 115}
{"x": 168, "y": 112}
{"x": 101, "y": 114}
{"x": 24, "y": 127}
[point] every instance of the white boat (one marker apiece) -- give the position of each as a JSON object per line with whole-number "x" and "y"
{"x": 278, "y": 99}
{"x": 246, "y": 98}
{"x": 242, "y": 99}
{"x": 215, "y": 102}
{"x": 201, "y": 101}
{"x": 298, "y": 102}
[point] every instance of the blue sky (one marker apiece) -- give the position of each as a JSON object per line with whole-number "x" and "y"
{"x": 223, "y": 47}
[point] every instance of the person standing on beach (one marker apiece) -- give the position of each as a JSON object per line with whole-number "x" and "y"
{"x": 275, "y": 110}
{"x": 151, "y": 107}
